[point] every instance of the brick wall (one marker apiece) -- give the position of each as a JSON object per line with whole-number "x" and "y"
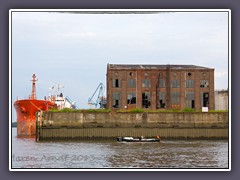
{"x": 168, "y": 74}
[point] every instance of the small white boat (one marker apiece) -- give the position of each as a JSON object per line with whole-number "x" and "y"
{"x": 140, "y": 139}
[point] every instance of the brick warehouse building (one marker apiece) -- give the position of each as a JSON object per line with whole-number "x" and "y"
{"x": 159, "y": 87}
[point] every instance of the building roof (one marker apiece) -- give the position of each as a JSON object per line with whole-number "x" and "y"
{"x": 154, "y": 66}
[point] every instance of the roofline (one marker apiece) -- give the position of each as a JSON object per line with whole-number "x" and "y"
{"x": 157, "y": 66}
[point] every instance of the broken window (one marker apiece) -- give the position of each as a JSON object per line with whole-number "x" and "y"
{"x": 131, "y": 83}
{"x": 116, "y": 99}
{"x": 204, "y": 83}
{"x": 131, "y": 98}
{"x": 175, "y": 98}
{"x": 162, "y": 102}
{"x": 146, "y": 83}
{"x": 190, "y": 102}
{"x": 116, "y": 83}
{"x": 175, "y": 83}
{"x": 189, "y": 83}
{"x": 204, "y": 99}
{"x": 146, "y": 101}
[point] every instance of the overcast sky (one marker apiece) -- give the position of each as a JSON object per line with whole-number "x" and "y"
{"x": 74, "y": 49}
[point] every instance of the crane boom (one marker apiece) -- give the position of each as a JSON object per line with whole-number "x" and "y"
{"x": 100, "y": 98}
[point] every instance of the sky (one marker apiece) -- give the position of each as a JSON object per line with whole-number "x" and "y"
{"x": 73, "y": 49}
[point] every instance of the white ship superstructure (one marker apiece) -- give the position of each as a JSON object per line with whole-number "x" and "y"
{"x": 61, "y": 101}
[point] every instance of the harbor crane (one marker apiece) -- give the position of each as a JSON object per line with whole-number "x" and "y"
{"x": 101, "y": 100}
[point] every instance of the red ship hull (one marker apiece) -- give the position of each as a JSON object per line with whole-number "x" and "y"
{"x": 26, "y": 114}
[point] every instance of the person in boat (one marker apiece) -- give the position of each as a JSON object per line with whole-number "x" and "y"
{"x": 158, "y": 137}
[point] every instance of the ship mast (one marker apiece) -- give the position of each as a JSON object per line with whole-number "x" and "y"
{"x": 33, "y": 95}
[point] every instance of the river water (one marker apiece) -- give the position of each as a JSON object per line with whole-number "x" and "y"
{"x": 184, "y": 154}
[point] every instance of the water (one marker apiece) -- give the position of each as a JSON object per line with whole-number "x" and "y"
{"x": 26, "y": 153}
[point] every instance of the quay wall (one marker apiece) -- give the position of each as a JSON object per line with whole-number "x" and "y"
{"x": 99, "y": 125}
